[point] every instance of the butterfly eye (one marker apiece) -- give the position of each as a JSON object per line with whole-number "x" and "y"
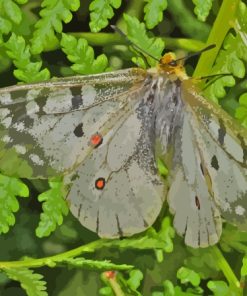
{"x": 173, "y": 63}
{"x": 100, "y": 183}
{"x": 96, "y": 140}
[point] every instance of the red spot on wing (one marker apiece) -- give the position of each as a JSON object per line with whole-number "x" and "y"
{"x": 96, "y": 140}
{"x": 100, "y": 183}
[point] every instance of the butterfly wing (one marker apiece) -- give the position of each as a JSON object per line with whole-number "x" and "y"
{"x": 197, "y": 217}
{"x": 209, "y": 172}
{"x": 224, "y": 143}
{"x": 45, "y": 128}
{"x": 116, "y": 191}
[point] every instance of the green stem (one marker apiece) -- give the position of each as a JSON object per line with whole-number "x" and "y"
{"x": 223, "y": 23}
{"x": 52, "y": 260}
{"x": 102, "y": 39}
{"x": 226, "y": 269}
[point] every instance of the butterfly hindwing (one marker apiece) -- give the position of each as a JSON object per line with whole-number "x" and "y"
{"x": 210, "y": 167}
{"x": 197, "y": 216}
{"x": 132, "y": 193}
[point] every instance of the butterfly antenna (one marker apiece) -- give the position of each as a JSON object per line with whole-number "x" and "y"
{"x": 141, "y": 50}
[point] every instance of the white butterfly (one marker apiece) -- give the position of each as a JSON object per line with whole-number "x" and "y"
{"x": 103, "y": 132}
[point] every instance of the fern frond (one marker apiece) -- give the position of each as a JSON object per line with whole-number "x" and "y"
{"x": 31, "y": 282}
{"x": 82, "y": 55}
{"x": 52, "y": 15}
{"x": 54, "y": 208}
{"x": 9, "y": 189}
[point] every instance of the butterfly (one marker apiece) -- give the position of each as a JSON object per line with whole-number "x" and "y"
{"x": 104, "y": 132}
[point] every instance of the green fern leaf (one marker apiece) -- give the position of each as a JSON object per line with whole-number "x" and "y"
{"x": 13, "y": 11}
{"x": 31, "y": 282}
{"x": 231, "y": 58}
{"x": 26, "y": 71}
{"x": 5, "y": 27}
{"x": 54, "y": 208}
{"x": 241, "y": 111}
{"x": 187, "y": 275}
{"x": 220, "y": 288}
{"x": 101, "y": 12}
{"x": 9, "y": 189}
{"x": 136, "y": 32}
{"x": 82, "y": 55}
{"x": 202, "y": 8}
{"x": 52, "y": 15}
{"x": 154, "y": 12}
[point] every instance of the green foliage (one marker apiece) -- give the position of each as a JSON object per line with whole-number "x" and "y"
{"x": 82, "y": 56}
{"x": 220, "y": 288}
{"x": 95, "y": 264}
{"x": 53, "y": 13}
{"x": 31, "y": 282}
{"x": 54, "y": 208}
{"x": 231, "y": 58}
{"x": 202, "y": 8}
{"x": 187, "y": 275}
{"x": 138, "y": 35}
{"x": 26, "y": 71}
{"x": 241, "y": 111}
{"x": 155, "y": 262}
{"x": 101, "y": 11}
{"x": 154, "y": 12}
{"x": 9, "y": 189}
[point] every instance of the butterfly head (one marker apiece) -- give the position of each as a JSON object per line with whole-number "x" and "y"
{"x": 171, "y": 66}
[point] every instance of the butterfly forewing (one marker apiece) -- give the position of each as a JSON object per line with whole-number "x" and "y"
{"x": 46, "y": 127}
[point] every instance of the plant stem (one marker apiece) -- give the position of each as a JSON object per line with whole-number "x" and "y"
{"x": 52, "y": 260}
{"x": 226, "y": 269}
{"x": 223, "y": 23}
{"x": 102, "y": 39}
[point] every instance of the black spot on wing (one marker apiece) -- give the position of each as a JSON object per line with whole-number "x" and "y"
{"x": 214, "y": 163}
{"x": 78, "y": 131}
{"x": 221, "y": 134}
{"x": 197, "y": 202}
{"x": 76, "y": 102}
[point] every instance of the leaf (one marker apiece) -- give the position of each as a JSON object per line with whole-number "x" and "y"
{"x": 31, "y": 282}
{"x": 134, "y": 281}
{"x": 54, "y": 208}
{"x": 186, "y": 21}
{"x": 154, "y": 12}
{"x": 82, "y": 55}
{"x": 12, "y": 11}
{"x": 136, "y": 32}
{"x": 231, "y": 58}
{"x": 26, "y": 71}
{"x": 9, "y": 189}
{"x": 101, "y": 12}
{"x": 241, "y": 111}
{"x": 202, "y": 8}
{"x": 202, "y": 262}
{"x": 52, "y": 15}
{"x": 220, "y": 288}
{"x": 243, "y": 271}
{"x": 187, "y": 275}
